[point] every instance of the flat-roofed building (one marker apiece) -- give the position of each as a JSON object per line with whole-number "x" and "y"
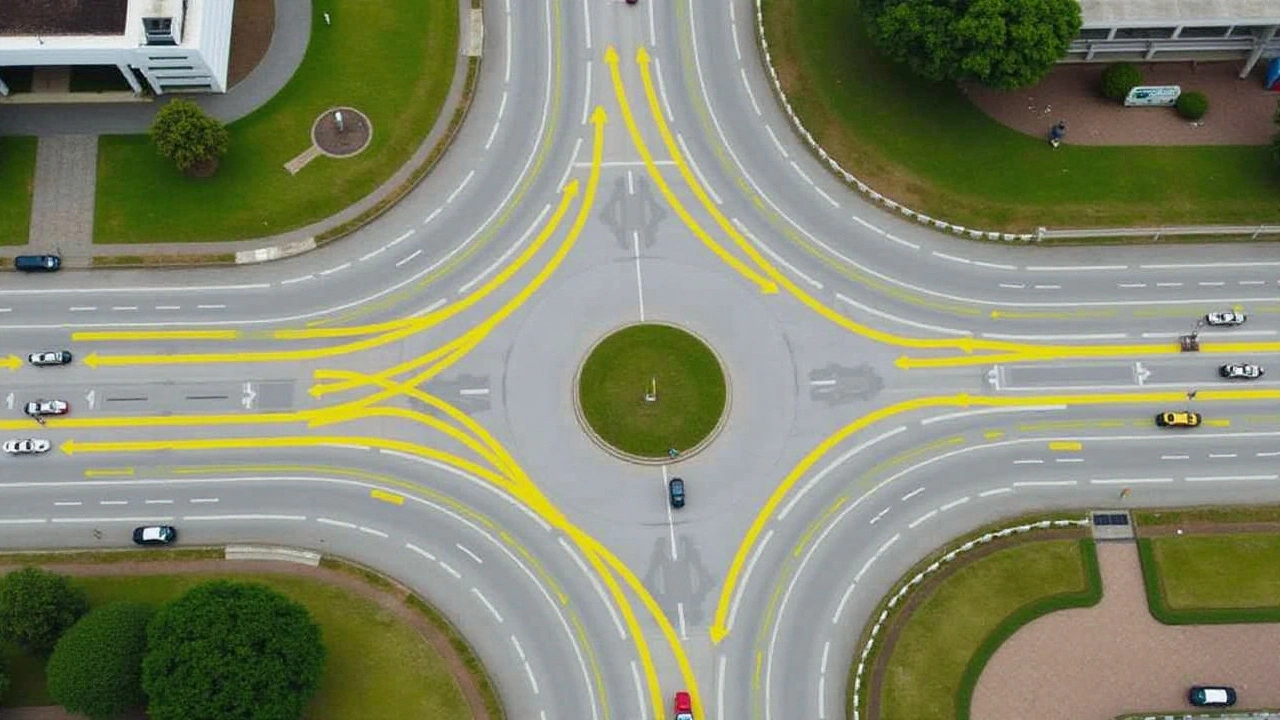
{"x": 1153, "y": 30}
{"x": 157, "y": 45}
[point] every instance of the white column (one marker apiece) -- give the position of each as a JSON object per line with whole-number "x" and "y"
{"x": 130, "y": 78}
{"x": 1259, "y": 46}
{"x": 4, "y": 89}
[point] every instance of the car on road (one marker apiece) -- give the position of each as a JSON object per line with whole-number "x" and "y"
{"x": 1240, "y": 371}
{"x": 1178, "y": 418}
{"x": 37, "y": 263}
{"x": 1226, "y": 318}
{"x": 631, "y": 2}
{"x": 155, "y": 535}
{"x": 26, "y": 446}
{"x": 675, "y": 492}
{"x": 50, "y": 357}
{"x": 1211, "y": 696}
{"x": 684, "y": 706}
{"x": 47, "y": 407}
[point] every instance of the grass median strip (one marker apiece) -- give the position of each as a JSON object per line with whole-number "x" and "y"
{"x": 927, "y": 146}
{"x": 392, "y": 60}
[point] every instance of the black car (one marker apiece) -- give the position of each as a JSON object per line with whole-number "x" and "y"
{"x": 1211, "y": 696}
{"x": 37, "y": 263}
{"x": 1240, "y": 371}
{"x": 155, "y": 535}
{"x": 675, "y": 491}
{"x": 50, "y": 357}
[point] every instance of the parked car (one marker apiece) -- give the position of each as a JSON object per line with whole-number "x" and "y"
{"x": 1240, "y": 371}
{"x": 1211, "y": 696}
{"x": 1178, "y": 418}
{"x": 37, "y": 263}
{"x": 50, "y": 357}
{"x": 155, "y": 535}
{"x": 46, "y": 407}
{"x": 675, "y": 491}
{"x": 684, "y": 706}
{"x": 26, "y": 446}
{"x": 1226, "y": 318}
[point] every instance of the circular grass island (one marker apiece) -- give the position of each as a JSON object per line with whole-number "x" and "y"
{"x": 651, "y": 388}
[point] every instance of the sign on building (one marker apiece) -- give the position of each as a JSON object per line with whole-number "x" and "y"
{"x": 1153, "y": 96}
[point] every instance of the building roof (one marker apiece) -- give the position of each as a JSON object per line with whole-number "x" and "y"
{"x": 1179, "y": 12}
{"x": 63, "y": 17}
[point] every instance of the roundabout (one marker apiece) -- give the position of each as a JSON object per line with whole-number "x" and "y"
{"x": 651, "y": 392}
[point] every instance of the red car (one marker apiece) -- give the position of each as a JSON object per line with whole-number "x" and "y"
{"x": 684, "y": 706}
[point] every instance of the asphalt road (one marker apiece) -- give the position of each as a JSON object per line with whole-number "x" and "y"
{"x": 404, "y": 397}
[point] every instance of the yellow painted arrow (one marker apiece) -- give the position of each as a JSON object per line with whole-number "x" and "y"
{"x": 142, "y": 335}
{"x": 12, "y": 362}
{"x": 766, "y": 285}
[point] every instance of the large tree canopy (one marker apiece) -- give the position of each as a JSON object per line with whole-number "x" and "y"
{"x": 185, "y": 134}
{"x": 96, "y": 668}
{"x": 231, "y": 651}
{"x": 1004, "y": 44}
{"x": 36, "y": 607}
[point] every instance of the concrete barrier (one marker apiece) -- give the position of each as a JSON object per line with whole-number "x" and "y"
{"x": 272, "y": 552}
{"x": 275, "y": 252}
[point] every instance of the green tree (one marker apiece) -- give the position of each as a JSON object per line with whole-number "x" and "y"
{"x": 1005, "y": 44}
{"x": 4, "y": 679}
{"x": 1118, "y": 79}
{"x": 185, "y": 134}
{"x": 231, "y": 651}
{"x": 96, "y": 668}
{"x": 36, "y": 607}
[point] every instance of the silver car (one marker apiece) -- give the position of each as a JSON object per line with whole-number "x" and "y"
{"x": 26, "y": 446}
{"x": 50, "y": 357}
{"x": 35, "y": 408}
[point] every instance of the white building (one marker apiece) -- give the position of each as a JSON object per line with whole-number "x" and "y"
{"x": 157, "y": 45}
{"x": 1152, "y": 30}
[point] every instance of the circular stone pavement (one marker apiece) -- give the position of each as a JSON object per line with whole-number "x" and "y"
{"x": 648, "y": 389}
{"x": 345, "y": 140}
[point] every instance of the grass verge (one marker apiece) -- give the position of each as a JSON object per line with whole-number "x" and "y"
{"x": 622, "y": 368}
{"x": 949, "y": 636}
{"x": 1213, "y": 515}
{"x": 1207, "y": 579}
{"x": 925, "y": 145}
{"x": 391, "y": 59}
{"x": 376, "y": 666}
{"x": 17, "y": 179}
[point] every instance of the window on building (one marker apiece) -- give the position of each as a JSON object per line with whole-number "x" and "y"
{"x": 1095, "y": 33}
{"x": 158, "y": 31}
{"x": 1144, "y": 33}
{"x": 1249, "y": 30}
{"x": 1204, "y": 31}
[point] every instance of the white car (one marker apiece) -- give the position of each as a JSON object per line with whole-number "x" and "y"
{"x": 50, "y": 357}
{"x": 1226, "y": 318}
{"x": 46, "y": 407}
{"x": 28, "y": 446}
{"x": 1240, "y": 371}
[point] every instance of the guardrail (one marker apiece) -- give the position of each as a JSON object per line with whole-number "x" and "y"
{"x": 1156, "y": 233}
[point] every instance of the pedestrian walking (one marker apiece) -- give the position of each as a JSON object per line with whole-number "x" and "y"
{"x": 1124, "y": 493}
{"x": 1057, "y": 132}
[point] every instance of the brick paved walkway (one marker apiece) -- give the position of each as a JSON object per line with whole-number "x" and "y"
{"x": 1100, "y": 662}
{"x": 1240, "y": 111}
{"x": 62, "y": 199}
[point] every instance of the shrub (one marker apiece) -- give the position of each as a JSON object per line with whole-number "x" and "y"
{"x": 36, "y": 607}
{"x": 1275, "y": 148}
{"x": 96, "y": 667}
{"x": 1192, "y": 105}
{"x": 1119, "y": 79}
{"x": 190, "y": 138}
{"x": 231, "y": 651}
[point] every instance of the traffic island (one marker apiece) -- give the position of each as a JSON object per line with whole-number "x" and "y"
{"x": 651, "y": 393}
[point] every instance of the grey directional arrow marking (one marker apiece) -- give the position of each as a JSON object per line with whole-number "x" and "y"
{"x": 836, "y": 384}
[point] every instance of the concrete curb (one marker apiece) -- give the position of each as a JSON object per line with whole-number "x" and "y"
{"x": 272, "y": 552}
{"x": 639, "y": 459}
{"x": 275, "y": 252}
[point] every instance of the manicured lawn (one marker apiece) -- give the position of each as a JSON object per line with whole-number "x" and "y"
{"x": 616, "y": 376}
{"x": 925, "y": 145}
{"x": 17, "y": 175}
{"x": 377, "y": 666}
{"x": 391, "y": 59}
{"x": 1219, "y": 571}
{"x": 927, "y": 666}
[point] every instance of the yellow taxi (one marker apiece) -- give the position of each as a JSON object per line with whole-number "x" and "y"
{"x": 1178, "y": 418}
